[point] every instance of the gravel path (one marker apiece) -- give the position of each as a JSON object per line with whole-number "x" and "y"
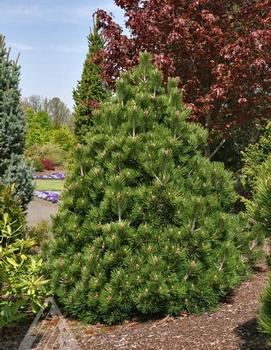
{"x": 39, "y": 210}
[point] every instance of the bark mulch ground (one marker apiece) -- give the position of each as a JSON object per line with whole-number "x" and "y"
{"x": 232, "y": 326}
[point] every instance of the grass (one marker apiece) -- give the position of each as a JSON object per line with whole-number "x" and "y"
{"x": 49, "y": 185}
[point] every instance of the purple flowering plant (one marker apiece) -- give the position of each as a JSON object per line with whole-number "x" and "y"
{"x": 53, "y": 176}
{"x": 51, "y": 196}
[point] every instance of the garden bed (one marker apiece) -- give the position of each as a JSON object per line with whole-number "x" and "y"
{"x": 232, "y": 326}
{"x": 60, "y": 175}
{"x": 50, "y": 196}
{"x": 49, "y": 185}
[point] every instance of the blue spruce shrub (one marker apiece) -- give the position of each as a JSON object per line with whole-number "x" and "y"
{"x": 13, "y": 168}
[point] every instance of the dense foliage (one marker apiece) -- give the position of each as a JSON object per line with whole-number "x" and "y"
{"x": 219, "y": 49}
{"x": 46, "y": 143}
{"x": 259, "y": 206}
{"x": 56, "y": 109}
{"x": 10, "y": 205}
{"x": 265, "y": 310}
{"x": 146, "y": 225}
{"x": 21, "y": 285}
{"x": 13, "y": 168}
{"x": 259, "y": 211}
{"x": 64, "y": 138}
{"x": 254, "y": 157}
{"x": 90, "y": 89}
{"x": 39, "y": 127}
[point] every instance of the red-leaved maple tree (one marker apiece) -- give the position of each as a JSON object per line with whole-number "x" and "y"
{"x": 221, "y": 50}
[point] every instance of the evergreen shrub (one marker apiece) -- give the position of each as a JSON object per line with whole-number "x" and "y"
{"x": 13, "y": 168}
{"x": 258, "y": 208}
{"x": 147, "y": 225}
{"x": 253, "y": 158}
{"x": 264, "y": 320}
{"x": 259, "y": 211}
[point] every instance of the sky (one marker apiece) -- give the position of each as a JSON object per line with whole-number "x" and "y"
{"x": 51, "y": 37}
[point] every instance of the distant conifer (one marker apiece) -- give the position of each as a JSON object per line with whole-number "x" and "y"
{"x": 90, "y": 90}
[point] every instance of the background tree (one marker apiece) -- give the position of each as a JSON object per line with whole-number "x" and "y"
{"x": 58, "y": 111}
{"x": 35, "y": 102}
{"x": 90, "y": 89}
{"x": 219, "y": 49}
{"x": 13, "y": 168}
{"x": 54, "y": 107}
{"x": 146, "y": 226}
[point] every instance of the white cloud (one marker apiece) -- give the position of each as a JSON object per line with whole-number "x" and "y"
{"x": 70, "y": 49}
{"x": 51, "y": 12}
{"x": 56, "y": 48}
{"x": 21, "y": 47}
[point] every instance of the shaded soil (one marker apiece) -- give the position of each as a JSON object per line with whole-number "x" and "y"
{"x": 39, "y": 210}
{"x": 232, "y": 326}
{"x": 11, "y": 338}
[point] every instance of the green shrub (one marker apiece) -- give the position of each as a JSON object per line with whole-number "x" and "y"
{"x": 146, "y": 226}
{"x": 37, "y": 164}
{"x": 39, "y": 128}
{"x": 254, "y": 156}
{"x": 53, "y": 153}
{"x": 10, "y": 204}
{"x": 33, "y": 156}
{"x": 22, "y": 288}
{"x": 259, "y": 211}
{"x": 41, "y": 232}
{"x": 33, "y": 151}
{"x": 258, "y": 207}
{"x": 264, "y": 320}
{"x": 64, "y": 138}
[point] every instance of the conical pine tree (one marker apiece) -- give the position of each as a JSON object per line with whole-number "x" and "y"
{"x": 146, "y": 224}
{"x": 13, "y": 169}
{"x": 90, "y": 90}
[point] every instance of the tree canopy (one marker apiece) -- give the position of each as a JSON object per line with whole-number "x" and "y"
{"x": 219, "y": 49}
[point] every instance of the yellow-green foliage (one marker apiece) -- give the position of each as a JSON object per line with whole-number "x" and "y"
{"x": 39, "y": 127}
{"x": 10, "y": 204}
{"x": 53, "y": 153}
{"x": 253, "y": 158}
{"x": 259, "y": 208}
{"x": 64, "y": 138}
{"x": 22, "y": 287}
{"x": 265, "y": 310}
